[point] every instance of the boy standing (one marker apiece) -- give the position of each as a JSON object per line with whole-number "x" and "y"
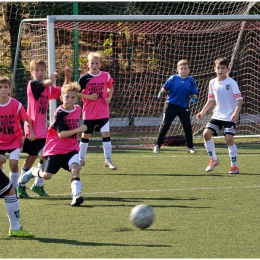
{"x": 62, "y": 149}
{"x": 96, "y": 93}
{"x": 11, "y": 113}
{"x": 39, "y": 92}
{"x": 179, "y": 88}
{"x": 225, "y": 92}
{"x": 11, "y": 205}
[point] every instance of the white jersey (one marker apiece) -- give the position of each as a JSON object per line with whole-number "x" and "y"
{"x": 226, "y": 94}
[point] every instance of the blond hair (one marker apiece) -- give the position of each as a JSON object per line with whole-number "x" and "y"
{"x": 95, "y": 55}
{"x": 182, "y": 62}
{"x": 5, "y": 80}
{"x": 72, "y": 86}
{"x": 35, "y": 63}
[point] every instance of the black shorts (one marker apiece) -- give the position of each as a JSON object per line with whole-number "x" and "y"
{"x": 3, "y": 152}
{"x": 216, "y": 125}
{"x": 95, "y": 125}
{"x": 33, "y": 147}
{"x": 53, "y": 163}
{"x": 5, "y": 184}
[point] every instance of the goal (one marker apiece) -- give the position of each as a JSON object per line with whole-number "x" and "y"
{"x": 141, "y": 52}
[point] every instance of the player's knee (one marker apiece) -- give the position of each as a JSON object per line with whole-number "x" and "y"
{"x": 207, "y": 135}
{"x": 13, "y": 165}
{"x": 229, "y": 139}
{"x": 46, "y": 175}
{"x": 74, "y": 170}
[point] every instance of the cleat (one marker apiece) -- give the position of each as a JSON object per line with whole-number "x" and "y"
{"x": 22, "y": 192}
{"x": 77, "y": 200}
{"x": 40, "y": 191}
{"x": 212, "y": 164}
{"x": 234, "y": 170}
{"x": 20, "y": 233}
{"x": 156, "y": 149}
{"x": 191, "y": 150}
{"x": 109, "y": 164}
{"x": 27, "y": 175}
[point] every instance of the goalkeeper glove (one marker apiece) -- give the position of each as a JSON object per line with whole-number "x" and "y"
{"x": 159, "y": 95}
{"x": 194, "y": 99}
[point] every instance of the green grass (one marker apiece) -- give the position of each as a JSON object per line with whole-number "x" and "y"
{"x": 198, "y": 214}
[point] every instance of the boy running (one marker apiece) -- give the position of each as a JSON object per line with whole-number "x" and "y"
{"x": 11, "y": 134}
{"x": 96, "y": 93}
{"x": 39, "y": 92}
{"x": 225, "y": 92}
{"x": 62, "y": 149}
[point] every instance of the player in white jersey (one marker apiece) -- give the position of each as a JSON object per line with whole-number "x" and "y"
{"x": 225, "y": 92}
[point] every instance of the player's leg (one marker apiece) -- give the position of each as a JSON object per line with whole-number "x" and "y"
{"x": 12, "y": 207}
{"x": 170, "y": 112}
{"x": 84, "y": 142}
{"x": 37, "y": 186}
{"x": 13, "y": 163}
{"x": 229, "y": 132}
{"x": 184, "y": 115}
{"x": 212, "y": 128}
{"x": 72, "y": 164}
{"x": 31, "y": 148}
{"x": 106, "y": 142}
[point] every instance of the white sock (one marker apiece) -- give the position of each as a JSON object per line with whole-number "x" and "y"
{"x": 76, "y": 187}
{"x": 233, "y": 155}
{"x": 107, "y": 148}
{"x": 83, "y": 150}
{"x": 210, "y": 147}
{"x": 38, "y": 181}
{"x": 13, "y": 211}
{"x": 14, "y": 178}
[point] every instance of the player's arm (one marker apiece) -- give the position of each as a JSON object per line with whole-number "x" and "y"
{"x": 68, "y": 74}
{"x": 51, "y": 80}
{"x": 31, "y": 136}
{"x": 68, "y": 133}
{"x": 110, "y": 95}
{"x": 204, "y": 110}
{"x": 235, "y": 115}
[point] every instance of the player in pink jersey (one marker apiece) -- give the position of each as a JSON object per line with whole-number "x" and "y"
{"x": 11, "y": 204}
{"x": 62, "y": 149}
{"x": 11, "y": 113}
{"x": 96, "y": 93}
{"x": 225, "y": 92}
{"x": 39, "y": 92}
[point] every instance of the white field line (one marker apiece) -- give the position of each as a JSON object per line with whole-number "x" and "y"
{"x": 161, "y": 190}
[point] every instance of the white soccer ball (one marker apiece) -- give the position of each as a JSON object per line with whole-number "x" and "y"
{"x": 142, "y": 216}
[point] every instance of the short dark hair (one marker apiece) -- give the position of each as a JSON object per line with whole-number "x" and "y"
{"x": 5, "y": 80}
{"x": 222, "y": 61}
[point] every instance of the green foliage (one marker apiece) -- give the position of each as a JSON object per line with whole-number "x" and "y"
{"x": 197, "y": 214}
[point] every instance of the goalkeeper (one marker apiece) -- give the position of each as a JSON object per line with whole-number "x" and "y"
{"x": 179, "y": 87}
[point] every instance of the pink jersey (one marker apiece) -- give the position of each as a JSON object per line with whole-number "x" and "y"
{"x": 90, "y": 84}
{"x": 37, "y": 106}
{"x": 11, "y": 133}
{"x": 63, "y": 120}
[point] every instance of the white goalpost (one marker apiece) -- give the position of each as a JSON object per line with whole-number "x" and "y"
{"x": 141, "y": 52}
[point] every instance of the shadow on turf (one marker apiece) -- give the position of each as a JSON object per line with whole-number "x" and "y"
{"x": 82, "y": 243}
{"x": 127, "y": 200}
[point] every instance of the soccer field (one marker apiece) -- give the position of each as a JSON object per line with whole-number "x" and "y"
{"x": 197, "y": 214}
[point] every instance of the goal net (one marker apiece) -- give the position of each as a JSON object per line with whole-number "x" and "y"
{"x": 141, "y": 56}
